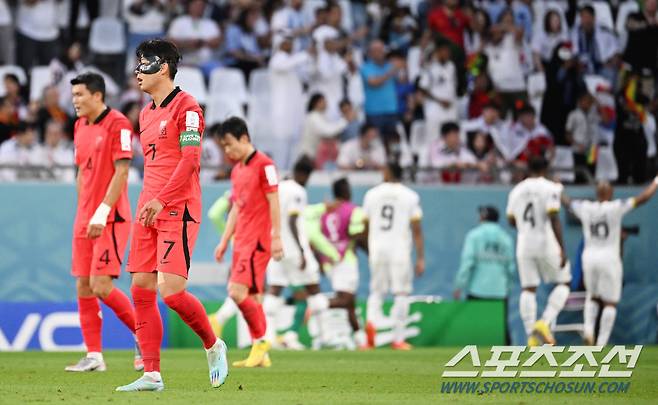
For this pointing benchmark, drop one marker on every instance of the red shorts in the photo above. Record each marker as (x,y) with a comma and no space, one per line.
(102,256)
(248,268)
(165,247)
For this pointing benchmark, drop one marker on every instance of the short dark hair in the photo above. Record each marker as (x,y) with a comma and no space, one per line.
(526,109)
(395,170)
(547,19)
(344,102)
(235,126)
(304,165)
(489,213)
(165,50)
(313,101)
(215,130)
(588,8)
(537,164)
(93,81)
(341,189)
(365,128)
(12,77)
(448,127)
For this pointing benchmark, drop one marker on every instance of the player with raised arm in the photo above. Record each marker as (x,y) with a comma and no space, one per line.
(602,262)
(254,224)
(169,215)
(102,223)
(393,217)
(533,209)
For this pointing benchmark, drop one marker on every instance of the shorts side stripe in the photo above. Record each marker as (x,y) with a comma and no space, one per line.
(116,246)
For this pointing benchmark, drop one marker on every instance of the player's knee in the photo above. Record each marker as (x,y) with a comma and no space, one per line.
(83,287)
(101,287)
(237,295)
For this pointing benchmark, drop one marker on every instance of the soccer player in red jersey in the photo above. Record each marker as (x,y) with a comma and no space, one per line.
(169,214)
(254,224)
(102,221)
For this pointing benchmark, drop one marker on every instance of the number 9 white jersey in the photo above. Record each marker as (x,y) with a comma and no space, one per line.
(390,208)
(530,203)
(602,222)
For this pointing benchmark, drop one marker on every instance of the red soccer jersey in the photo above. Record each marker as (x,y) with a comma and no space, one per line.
(251,181)
(170,135)
(97,146)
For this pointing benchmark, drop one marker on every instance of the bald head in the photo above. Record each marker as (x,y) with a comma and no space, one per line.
(604,191)
(377,51)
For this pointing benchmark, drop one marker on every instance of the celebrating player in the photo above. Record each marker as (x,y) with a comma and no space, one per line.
(254,224)
(602,264)
(533,209)
(169,214)
(392,212)
(102,222)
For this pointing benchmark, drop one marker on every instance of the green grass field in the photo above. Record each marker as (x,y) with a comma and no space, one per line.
(381,376)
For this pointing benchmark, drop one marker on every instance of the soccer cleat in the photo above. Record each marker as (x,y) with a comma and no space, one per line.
(217,363)
(533,341)
(256,356)
(215,325)
(402,346)
(87,364)
(291,341)
(542,328)
(138,362)
(371,333)
(266,363)
(143,383)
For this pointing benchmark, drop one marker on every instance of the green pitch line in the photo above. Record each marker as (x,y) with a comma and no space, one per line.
(325,377)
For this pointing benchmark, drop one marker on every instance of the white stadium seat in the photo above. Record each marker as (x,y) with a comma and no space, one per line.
(107,36)
(40,78)
(191,80)
(220,107)
(228,82)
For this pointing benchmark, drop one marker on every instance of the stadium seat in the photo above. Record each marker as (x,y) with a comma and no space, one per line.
(417,141)
(230,82)
(259,83)
(606,164)
(347,23)
(414,56)
(563,164)
(40,78)
(597,84)
(107,36)
(219,107)
(17,70)
(191,80)
(536,89)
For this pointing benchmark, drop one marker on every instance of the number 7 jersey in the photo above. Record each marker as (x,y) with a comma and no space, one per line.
(530,202)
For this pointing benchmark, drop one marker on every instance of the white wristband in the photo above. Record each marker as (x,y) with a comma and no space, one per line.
(655,180)
(100,216)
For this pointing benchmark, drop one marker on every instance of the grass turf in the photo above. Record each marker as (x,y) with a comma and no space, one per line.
(381,376)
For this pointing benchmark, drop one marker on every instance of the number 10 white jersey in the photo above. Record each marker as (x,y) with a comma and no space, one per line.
(602,222)
(390,208)
(530,202)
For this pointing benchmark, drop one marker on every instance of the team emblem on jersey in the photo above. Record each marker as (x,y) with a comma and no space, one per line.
(163,129)
(126,137)
(192,121)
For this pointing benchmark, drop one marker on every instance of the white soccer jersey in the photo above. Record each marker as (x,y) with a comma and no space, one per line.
(390,208)
(602,222)
(292,200)
(530,204)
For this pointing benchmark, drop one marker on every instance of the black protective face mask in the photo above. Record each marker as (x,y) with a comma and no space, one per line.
(152,65)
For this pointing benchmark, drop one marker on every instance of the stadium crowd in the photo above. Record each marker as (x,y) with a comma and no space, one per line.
(455,91)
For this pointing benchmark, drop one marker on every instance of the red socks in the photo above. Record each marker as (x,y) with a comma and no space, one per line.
(148,326)
(255,317)
(120,304)
(91,323)
(188,307)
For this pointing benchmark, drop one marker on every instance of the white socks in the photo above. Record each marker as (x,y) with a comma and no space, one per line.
(608,316)
(271,306)
(317,303)
(95,355)
(226,311)
(590,312)
(528,310)
(153,375)
(556,301)
(399,314)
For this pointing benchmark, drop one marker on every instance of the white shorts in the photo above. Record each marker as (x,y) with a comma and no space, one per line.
(344,276)
(534,269)
(287,272)
(603,275)
(395,276)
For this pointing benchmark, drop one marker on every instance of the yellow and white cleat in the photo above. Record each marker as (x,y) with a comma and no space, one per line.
(542,328)
(258,357)
(533,341)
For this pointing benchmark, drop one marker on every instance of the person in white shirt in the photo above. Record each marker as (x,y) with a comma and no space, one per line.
(58,153)
(393,219)
(22,153)
(327,75)
(547,38)
(533,208)
(363,153)
(36,33)
(291,18)
(438,82)
(298,266)
(602,262)
(197,37)
(450,156)
(317,127)
(146,19)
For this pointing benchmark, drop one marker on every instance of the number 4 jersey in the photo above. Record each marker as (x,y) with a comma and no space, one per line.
(602,222)
(390,208)
(530,203)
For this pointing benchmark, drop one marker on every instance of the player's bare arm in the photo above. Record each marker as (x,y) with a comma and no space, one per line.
(220,250)
(647,193)
(275,216)
(417,231)
(511,221)
(554,217)
(292,221)
(114,190)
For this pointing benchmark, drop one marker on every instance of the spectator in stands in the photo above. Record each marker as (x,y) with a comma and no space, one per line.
(400,28)
(379,84)
(328,73)
(8,119)
(93,10)
(448,20)
(68,62)
(642,47)
(488,123)
(49,110)
(539,138)
(438,82)
(197,37)
(522,17)
(450,156)
(131,110)
(294,21)
(363,153)
(481,146)
(146,19)
(544,42)
(6,34)
(597,47)
(353,127)
(58,153)
(318,128)
(14,94)
(504,61)
(329,27)
(36,33)
(242,49)
(21,153)
(581,132)
(481,95)
(476,32)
